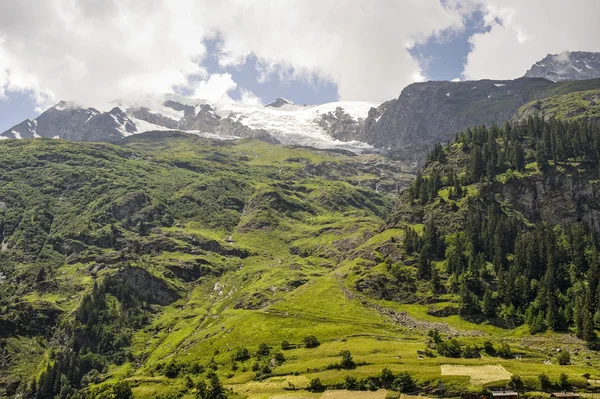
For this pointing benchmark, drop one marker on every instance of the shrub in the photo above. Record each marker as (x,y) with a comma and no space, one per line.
(263,350)
(544,381)
(350,383)
(450,348)
(311,341)
(386,377)
(504,351)
(172,369)
(489,349)
(285,345)
(563,358)
(435,336)
(471,352)
(404,383)
(241,354)
(279,358)
(195,368)
(516,381)
(315,385)
(347,361)
(563,382)
(122,390)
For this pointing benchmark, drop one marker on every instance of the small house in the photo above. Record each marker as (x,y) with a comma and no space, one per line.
(504,395)
(565,395)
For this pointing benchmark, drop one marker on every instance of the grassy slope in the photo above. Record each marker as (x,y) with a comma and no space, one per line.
(332,234)
(581,105)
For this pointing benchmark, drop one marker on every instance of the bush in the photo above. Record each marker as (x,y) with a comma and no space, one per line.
(122,390)
(311,341)
(279,358)
(563,358)
(404,383)
(471,352)
(387,378)
(563,382)
(285,345)
(347,361)
(504,351)
(315,385)
(350,383)
(172,369)
(435,336)
(544,381)
(450,348)
(263,350)
(516,381)
(489,349)
(241,354)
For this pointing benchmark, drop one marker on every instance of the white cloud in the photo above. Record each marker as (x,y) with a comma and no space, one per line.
(361,46)
(215,88)
(247,97)
(523,32)
(94,51)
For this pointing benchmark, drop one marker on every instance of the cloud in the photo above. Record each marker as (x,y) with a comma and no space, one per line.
(247,97)
(215,88)
(361,46)
(95,51)
(523,32)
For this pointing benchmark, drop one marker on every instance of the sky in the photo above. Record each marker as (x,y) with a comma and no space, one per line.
(308,51)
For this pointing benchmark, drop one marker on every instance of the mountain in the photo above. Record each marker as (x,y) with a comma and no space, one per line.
(70,122)
(174,232)
(580,105)
(405,127)
(279,122)
(171,265)
(567,66)
(279,102)
(430,112)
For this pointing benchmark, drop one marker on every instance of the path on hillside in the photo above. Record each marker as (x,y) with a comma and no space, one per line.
(406,321)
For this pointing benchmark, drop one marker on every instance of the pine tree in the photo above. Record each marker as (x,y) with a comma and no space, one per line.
(541,158)
(489,305)
(424,265)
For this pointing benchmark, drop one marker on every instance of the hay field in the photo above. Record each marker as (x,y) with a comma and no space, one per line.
(479,374)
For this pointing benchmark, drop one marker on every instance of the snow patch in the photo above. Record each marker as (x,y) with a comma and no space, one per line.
(499,84)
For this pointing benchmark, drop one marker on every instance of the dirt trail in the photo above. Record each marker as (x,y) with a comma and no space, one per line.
(406,321)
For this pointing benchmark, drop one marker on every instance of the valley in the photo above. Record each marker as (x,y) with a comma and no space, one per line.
(444,244)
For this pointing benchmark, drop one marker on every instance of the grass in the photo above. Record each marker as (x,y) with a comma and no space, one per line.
(302,255)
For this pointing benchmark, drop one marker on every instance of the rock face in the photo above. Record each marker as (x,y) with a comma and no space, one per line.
(556,198)
(279,102)
(147,286)
(570,65)
(67,121)
(430,112)
(424,113)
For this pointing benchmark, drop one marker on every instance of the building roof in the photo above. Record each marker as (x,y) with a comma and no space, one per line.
(498,394)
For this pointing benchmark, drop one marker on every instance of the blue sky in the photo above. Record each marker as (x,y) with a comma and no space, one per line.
(441,58)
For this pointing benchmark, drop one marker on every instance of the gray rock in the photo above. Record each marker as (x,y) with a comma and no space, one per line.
(570,65)
(279,102)
(67,121)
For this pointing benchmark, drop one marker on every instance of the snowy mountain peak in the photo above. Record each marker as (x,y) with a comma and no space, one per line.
(570,65)
(332,125)
(279,102)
